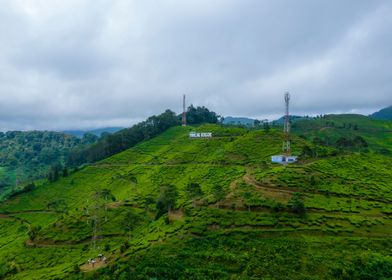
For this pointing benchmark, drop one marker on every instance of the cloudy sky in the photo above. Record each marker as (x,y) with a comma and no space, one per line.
(93,63)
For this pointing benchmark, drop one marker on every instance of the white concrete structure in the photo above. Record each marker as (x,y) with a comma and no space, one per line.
(277,159)
(200,134)
(283,159)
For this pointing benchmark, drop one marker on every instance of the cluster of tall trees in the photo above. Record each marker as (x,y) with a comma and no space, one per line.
(197,115)
(126,138)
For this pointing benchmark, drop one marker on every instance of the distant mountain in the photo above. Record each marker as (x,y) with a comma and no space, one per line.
(238,121)
(98,132)
(292,119)
(250,122)
(383,114)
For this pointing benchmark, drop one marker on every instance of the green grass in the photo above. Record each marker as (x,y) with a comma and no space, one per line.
(376,132)
(249,233)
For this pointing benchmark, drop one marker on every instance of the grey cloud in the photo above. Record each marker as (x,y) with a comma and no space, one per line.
(74,64)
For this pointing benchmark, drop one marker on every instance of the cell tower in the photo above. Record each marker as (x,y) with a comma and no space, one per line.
(286,142)
(286,157)
(183,111)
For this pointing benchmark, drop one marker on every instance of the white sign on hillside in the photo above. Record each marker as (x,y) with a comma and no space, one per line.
(200,135)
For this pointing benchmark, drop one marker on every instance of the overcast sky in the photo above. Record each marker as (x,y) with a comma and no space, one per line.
(94,63)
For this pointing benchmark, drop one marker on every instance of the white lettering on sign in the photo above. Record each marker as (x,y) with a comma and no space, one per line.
(200,134)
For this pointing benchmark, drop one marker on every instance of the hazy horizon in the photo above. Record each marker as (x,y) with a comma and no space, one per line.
(270,118)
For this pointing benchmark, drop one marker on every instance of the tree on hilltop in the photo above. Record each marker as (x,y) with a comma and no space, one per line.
(196,115)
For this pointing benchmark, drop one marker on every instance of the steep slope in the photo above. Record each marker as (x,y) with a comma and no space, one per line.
(325,218)
(383,114)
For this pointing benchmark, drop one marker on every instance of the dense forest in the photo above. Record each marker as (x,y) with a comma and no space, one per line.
(26,156)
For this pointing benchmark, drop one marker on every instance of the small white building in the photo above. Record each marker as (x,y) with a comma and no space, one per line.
(283,159)
(200,134)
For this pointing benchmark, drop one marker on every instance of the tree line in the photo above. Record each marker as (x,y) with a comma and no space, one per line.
(129,137)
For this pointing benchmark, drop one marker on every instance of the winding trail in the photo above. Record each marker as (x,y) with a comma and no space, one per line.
(249,179)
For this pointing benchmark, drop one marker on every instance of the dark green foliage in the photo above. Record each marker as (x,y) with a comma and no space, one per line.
(312,181)
(28,188)
(218,192)
(167,200)
(106,194)
(7,269)
(55,171)
(193,191)
(266,126)
(198,115)
(307,152)
(356,142)
(130,222)
(359,142)
(33,231)
(297,204)
(342,142)
(57,205)
(25,156)
(76,269)
(278,207)
(89,138)
(370,267)
(318,141)
(124,247)
(124,139)
(65,172)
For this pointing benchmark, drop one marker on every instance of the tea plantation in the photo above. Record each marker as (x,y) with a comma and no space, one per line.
(180,208)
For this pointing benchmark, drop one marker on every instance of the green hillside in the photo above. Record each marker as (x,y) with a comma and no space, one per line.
(27,155)
(233,214)
(330,128)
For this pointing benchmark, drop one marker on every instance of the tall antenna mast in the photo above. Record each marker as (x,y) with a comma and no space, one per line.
(183,111)
(286,142)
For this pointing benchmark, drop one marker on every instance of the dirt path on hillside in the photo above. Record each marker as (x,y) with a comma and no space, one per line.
(269,190)
(252,181)
(90,267)
(273,192)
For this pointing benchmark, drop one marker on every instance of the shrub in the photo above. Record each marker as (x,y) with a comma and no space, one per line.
(297,204)
(277,207)
(124,247)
